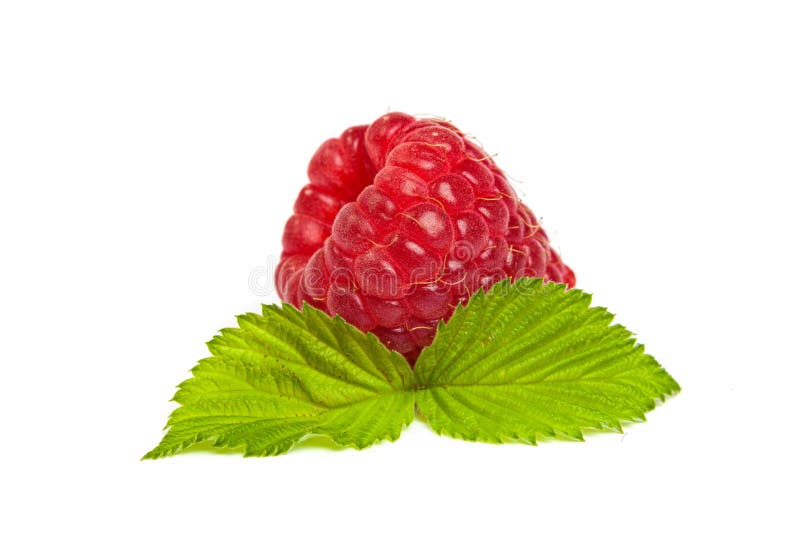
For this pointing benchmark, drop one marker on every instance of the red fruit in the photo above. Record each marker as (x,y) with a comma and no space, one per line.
(403,220)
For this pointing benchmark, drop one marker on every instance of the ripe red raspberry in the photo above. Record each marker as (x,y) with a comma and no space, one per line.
(402,220)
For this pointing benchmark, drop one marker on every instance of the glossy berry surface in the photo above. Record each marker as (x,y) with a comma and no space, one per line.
(402,220)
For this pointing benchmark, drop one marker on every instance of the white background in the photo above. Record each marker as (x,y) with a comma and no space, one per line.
(149,156)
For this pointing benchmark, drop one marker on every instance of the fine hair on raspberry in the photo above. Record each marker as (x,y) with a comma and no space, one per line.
(401,221)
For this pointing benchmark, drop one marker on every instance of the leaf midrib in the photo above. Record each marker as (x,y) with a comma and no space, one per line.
(599,379)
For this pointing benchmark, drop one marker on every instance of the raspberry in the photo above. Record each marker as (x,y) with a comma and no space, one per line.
(402,220)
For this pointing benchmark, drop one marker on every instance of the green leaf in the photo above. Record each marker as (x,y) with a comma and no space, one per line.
(528,360)
(284,375)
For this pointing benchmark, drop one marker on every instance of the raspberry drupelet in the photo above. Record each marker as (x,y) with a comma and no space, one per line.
(402,220)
